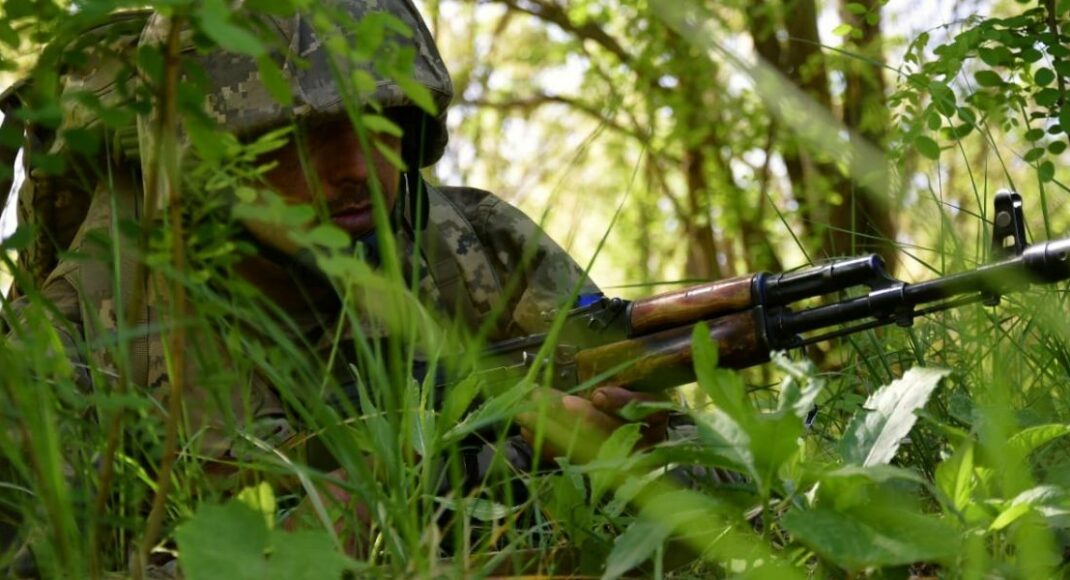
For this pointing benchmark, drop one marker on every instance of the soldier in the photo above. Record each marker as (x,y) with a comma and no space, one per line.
(481,261)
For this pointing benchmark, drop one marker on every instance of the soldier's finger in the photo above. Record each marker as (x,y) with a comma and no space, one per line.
(542,401)
(573,427)
(611,399)
(589,414)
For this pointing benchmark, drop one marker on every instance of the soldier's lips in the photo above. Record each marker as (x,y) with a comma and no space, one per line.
(355,220)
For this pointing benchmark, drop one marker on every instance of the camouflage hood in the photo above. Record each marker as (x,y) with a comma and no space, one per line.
(312,63)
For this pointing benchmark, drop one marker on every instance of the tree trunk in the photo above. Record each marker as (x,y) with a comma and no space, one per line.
(865,113)
(702,247)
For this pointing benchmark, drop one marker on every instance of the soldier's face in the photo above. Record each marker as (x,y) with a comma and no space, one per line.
(338,169)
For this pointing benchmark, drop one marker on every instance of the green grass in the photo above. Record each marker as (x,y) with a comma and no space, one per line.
(977,488)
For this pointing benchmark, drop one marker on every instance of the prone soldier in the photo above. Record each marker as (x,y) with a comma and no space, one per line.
(475,259)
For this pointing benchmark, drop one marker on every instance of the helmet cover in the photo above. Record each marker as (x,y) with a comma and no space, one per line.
(240,102)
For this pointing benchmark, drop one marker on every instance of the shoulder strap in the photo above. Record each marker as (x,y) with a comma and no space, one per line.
(459,262)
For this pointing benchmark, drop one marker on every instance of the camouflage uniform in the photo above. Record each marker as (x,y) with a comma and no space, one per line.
(476,244)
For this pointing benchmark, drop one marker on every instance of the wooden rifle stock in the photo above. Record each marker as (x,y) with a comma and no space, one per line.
(690,305)
(663,360)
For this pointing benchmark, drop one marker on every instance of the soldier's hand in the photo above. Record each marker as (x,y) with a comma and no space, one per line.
(573,425)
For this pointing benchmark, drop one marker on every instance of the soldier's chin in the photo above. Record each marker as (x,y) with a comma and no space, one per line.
(275,236)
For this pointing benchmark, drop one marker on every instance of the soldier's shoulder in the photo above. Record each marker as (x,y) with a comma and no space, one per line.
(485,211)
(470,200)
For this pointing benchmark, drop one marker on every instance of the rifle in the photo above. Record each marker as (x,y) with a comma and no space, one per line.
(646,344)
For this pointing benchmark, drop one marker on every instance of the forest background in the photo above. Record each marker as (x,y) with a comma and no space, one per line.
(727,138)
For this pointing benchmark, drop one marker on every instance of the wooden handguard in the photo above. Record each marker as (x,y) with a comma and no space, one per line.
(687,306)
(663,360)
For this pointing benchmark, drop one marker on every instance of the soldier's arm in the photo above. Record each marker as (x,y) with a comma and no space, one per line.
(549,278)
(538,276)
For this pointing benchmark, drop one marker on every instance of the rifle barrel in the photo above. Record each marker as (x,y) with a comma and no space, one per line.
(1040,263)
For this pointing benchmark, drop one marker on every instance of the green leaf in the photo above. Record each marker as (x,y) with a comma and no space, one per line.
(19,240)
(1034,134)
(954,476)
(927,147)
(874,435)
(724,387)
(635,546)
(613,451)
(987,78)
(227,541)
(567,502)
(1030,55)
(49,163)
(958,131)
(855,8)
(206,141)
(306,555)
(480,509)
(1046,171)
(842,30)
(1033,154)
(934,121)
(391,155)
(876,474)
(1037,497)
(274,81)
(682,510)
(380,124)
(364,83)
(795,397)
(326,236)
(214,19)
(1028,440)
(419,94)
(1044,76)
(1057,147)
(867,537)
(49,114)
(150,62)
(995,56)
(719,431)
(459,398)
(1009,516)
(8,35)
(1047,97)
(232,541)
(84,141)
(942,96)
(260,499)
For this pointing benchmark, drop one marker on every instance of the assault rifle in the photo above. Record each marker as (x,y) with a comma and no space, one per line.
(646,344)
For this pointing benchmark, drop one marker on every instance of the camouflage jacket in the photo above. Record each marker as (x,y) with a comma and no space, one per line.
(481,251)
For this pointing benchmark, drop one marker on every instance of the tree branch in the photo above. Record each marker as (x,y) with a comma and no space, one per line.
(528,104)
(550,11)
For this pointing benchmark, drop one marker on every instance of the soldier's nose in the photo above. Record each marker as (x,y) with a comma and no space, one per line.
(340,156)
